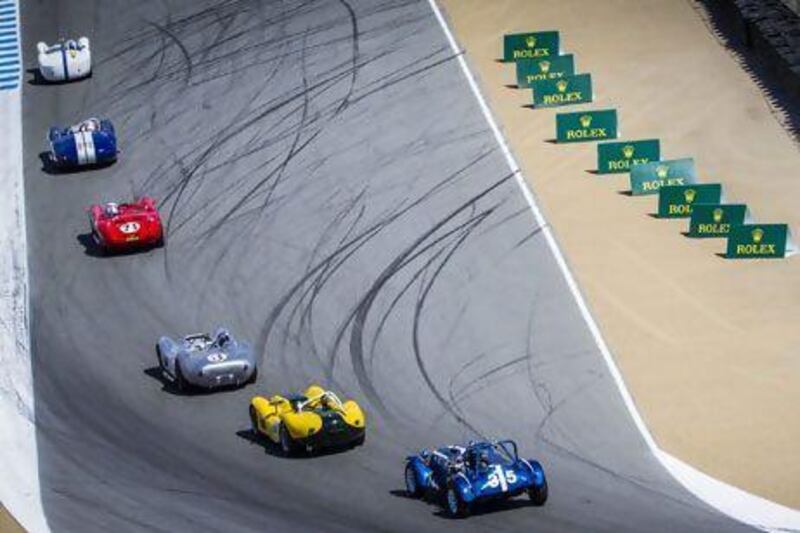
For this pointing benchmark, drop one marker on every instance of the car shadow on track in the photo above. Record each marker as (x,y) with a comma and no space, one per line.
(48,167)
(484,508)
(274,449)
(170,388)
(37,78)
(92,249)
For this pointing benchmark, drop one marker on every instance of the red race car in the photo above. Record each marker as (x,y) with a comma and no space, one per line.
(123,227)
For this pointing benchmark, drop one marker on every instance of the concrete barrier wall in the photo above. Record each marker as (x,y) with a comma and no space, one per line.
(19,482)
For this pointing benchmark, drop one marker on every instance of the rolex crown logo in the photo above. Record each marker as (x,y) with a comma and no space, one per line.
(757,234)
(717,214)
(530,41)
(689,195)
(586,121)
(628,151)
(562,86)
(662,171)
(544,66)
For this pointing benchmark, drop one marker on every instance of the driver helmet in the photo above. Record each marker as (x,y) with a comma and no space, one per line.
(326,402)
(71,45)
(223,337)
(91,124)
(112,209)
(483,459)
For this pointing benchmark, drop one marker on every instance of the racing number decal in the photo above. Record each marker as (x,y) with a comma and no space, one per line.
(129,227)
(216,357)
(501,478)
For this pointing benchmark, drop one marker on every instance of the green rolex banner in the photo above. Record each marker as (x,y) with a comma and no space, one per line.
(547,68)
(530,45)
(568,90)
(618,157)
(586,126)
(760,240)
(647,178)
(677,201)
(716,220)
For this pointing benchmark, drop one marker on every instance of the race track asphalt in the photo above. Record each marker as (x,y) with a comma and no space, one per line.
(332,193)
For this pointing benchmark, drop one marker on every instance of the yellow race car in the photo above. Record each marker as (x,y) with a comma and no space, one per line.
(309,421)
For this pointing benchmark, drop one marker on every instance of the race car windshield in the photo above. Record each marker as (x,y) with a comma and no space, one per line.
(198,342)
(327,400)
(485,455)
(499,455)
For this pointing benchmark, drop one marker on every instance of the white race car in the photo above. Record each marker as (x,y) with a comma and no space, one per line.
(65,60)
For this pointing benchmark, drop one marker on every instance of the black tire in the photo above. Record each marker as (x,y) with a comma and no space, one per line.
(253,377)
(180,381)
(360,440)
(412,487)
(538,495)
(99,248)
(454,505)
(160,242)
(254,421)
(288,446)
(158,356)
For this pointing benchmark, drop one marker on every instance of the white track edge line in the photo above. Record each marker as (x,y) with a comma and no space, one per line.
(749,509)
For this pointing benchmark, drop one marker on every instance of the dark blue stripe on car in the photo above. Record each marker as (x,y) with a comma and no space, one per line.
(64,61)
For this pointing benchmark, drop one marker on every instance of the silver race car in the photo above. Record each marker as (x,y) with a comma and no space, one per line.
(205,361)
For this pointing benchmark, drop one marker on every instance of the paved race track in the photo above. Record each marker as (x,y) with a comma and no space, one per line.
(331,191)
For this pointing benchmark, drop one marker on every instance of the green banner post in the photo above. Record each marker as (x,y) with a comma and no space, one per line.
(716,220)
(759,241)
(568,90)
(546,68)
(586,126)
(647,178)
(677,201)
(617,157)
(530,45)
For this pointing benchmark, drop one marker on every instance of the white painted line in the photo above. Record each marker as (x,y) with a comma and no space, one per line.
(748,508)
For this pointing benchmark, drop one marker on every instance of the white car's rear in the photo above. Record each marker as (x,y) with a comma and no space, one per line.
(66,60)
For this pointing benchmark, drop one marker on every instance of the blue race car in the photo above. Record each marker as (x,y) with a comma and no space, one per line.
(92,142)
(482,471)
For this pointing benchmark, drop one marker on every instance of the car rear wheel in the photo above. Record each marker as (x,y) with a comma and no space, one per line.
(538,495)
(455,506)
(412,488)
(288,447)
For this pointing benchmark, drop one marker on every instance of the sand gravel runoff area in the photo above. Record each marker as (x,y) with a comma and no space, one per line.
(7,522)
(709,347)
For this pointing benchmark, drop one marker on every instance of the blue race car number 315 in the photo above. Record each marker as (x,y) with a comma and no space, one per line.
(501,478)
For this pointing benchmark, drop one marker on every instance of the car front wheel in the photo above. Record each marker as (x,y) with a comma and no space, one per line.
(456,507)
(538,495)
(180,381)
(412,488)
(288,447)
(254,420)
